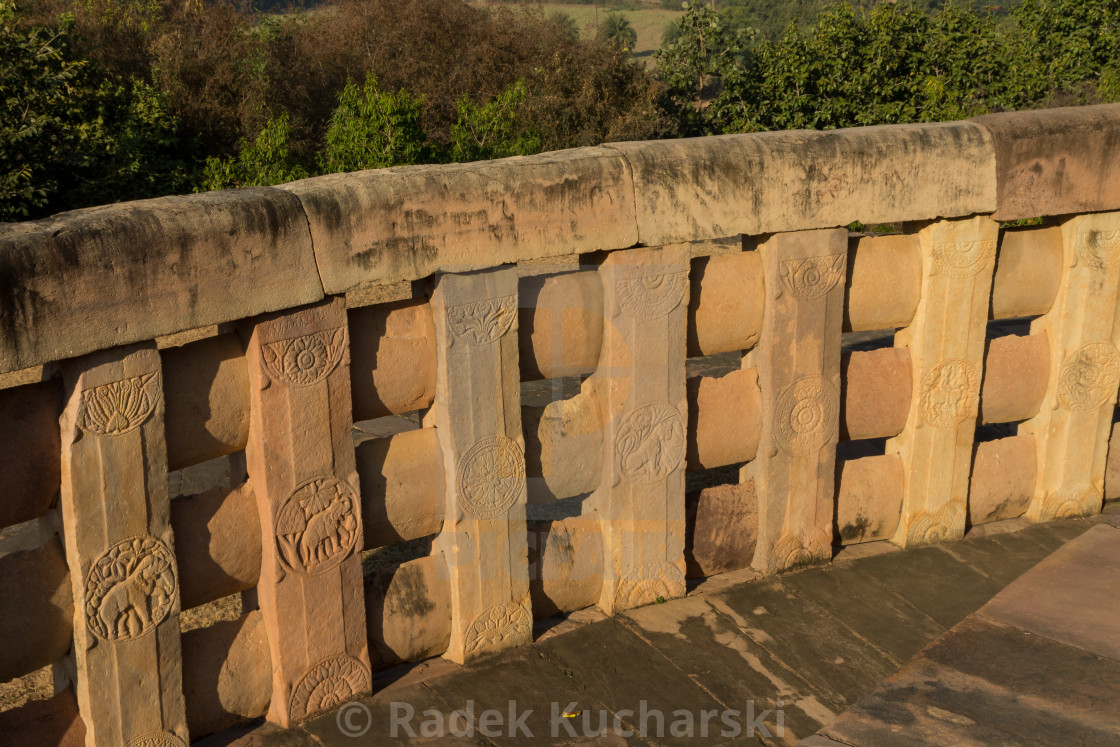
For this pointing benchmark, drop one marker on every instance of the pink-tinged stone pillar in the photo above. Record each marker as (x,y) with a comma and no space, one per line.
(798,363)
(300,459)
(946,342)
(116,522)
(477,413)
(1072,427)
(640,383)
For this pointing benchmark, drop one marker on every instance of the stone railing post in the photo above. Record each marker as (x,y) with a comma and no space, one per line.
(640,385)
(1072,427)
(946,342)
(798,364)
(477,414)
(300,460)
(117,527)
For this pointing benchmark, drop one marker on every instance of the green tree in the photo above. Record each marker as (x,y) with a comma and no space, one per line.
(617,30)
(261,162)
(493,129)
(373,128)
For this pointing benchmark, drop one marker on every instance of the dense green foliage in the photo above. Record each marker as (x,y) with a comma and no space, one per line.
(107,100)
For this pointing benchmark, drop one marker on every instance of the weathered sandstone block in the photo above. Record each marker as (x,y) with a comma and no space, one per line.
(1055,161)
(1112,470)
(712,187)
(563,448)
(402,487)
(300,460)
(724,419)
(119,548)
(477,413)
(723,529)
(1072,427)
(217,544)
(884,282)
(560,325)
(565,566)
(407,223)
(206,385)
(36,610)
(1003,475)
(392,358)
(227,674)
(876,393)
(91,279)
(725,304)
(409,611)
(798,363)
(54,721)
(869,498)
(1028,270)
(946,344)
(1016,374)
(640,502)
(29,449)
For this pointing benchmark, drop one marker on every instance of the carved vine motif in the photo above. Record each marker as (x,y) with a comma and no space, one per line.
(1099,248)
(304,360)
(812,277)
(317,526)
(644,583)
(937,525)
(1089,376)
(1069,501)
(498,627)
(963,259)
(130,589)
(805,418)
(798,549)
(651,295)
(491,477)
(327,685)
(650,443)
(122,406)
(162,739)
(483,322)
(949,393)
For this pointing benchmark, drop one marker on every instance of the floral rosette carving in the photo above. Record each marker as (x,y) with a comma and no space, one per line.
(491,477)
(797,549)
(644,583)
(1088,378)
(963,259)
(161,739)
(650,443)
(806,416)
(651,295)
(497,627)
(130,589)
(483,322)
(812,277)
(949,394)
(1069,501)
(304,360)
(327,685)
(937,525)
(1099,249)
(317,526)
(119,407)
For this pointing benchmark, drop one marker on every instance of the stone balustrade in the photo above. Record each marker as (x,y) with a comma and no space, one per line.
(737,380)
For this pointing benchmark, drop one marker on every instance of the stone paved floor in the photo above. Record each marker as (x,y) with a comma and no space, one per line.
(778,659)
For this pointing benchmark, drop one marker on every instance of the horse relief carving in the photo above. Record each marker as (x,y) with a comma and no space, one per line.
(1088,378)
(963,259)
(650,443)
(483,322)
(327,685)
(317,527)
(949,394)
(651,295)
(119,407)
(130,589)
(304,360)
(491,477)
(812,277)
